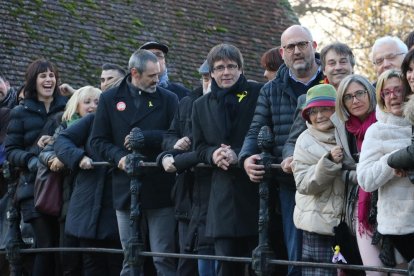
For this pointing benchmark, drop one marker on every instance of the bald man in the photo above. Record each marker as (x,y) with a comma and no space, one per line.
(277,104)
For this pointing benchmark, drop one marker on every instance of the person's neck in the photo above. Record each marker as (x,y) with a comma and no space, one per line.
(305,76)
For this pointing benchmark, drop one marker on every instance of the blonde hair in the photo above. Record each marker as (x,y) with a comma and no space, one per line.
(340,108)
(386,75)
(77,97)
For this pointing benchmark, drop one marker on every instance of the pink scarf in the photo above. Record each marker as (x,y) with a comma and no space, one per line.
(358,128)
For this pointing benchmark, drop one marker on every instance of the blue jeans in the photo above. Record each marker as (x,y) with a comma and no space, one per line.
(292,235)
(161,232)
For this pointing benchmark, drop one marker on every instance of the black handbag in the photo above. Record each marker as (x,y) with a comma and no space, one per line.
(345,246)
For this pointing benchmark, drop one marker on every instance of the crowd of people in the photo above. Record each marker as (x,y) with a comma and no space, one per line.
(343,142)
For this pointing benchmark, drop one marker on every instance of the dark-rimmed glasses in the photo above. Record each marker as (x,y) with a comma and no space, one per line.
(359,95)
(221,68)
(396,91)
(302,45)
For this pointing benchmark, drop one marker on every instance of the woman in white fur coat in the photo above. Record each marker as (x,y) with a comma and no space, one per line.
(391,132)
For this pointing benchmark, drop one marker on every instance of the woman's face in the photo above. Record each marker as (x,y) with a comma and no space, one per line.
(320,117)
(356,100)
(393,96)
(45,85)
(269,75)
(87,105)
(410,75)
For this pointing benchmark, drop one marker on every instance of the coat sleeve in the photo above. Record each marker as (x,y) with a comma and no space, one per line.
(372,169)
(402,159)
(299,125)
(102,135)
(69,145)
(48,152)
(14,142)
(173,133)
(262,116)
(313,178)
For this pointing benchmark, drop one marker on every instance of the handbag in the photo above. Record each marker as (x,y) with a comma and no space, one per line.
(344,245)
(48,191)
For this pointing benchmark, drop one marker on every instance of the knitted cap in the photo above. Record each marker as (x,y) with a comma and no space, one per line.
(319,95)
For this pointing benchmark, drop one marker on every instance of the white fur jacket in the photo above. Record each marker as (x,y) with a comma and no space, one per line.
(396,194)
(320,189)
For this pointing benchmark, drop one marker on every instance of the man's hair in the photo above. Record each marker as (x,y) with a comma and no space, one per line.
(224,52)
(389,39)
(339,48)
(271,59)
(409,40)
(140,58)
(112,66)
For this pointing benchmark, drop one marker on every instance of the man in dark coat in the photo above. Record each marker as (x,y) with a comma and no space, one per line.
(139,102)
(220,121)
(276,107)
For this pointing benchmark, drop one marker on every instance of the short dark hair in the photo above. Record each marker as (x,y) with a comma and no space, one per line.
(224,52)
(271,60)
(112,66)
(35,68)
(405,66)
(409,40)
(340,49)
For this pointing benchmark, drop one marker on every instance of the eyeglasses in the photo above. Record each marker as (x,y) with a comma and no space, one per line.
(380,61)
(221,68)
(313,111)
(396,91)
(302,45)
(359,95)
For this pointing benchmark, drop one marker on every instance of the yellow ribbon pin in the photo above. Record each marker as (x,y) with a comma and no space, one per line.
(241,95)
(150,104)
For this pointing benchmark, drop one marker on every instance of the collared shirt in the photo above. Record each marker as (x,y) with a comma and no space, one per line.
(293,77)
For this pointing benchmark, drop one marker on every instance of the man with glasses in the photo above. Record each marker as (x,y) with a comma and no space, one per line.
(388,52)
(220,120)
(161,51)
(276,105)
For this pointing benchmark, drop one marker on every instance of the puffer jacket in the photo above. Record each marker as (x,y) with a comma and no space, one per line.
(320,189)
(395,194)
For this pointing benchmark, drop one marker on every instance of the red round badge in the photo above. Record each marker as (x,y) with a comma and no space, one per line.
(121,106)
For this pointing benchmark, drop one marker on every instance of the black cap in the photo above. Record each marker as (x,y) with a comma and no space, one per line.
(155,45)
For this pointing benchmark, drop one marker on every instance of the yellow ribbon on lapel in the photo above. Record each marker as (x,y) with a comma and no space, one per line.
(241,95)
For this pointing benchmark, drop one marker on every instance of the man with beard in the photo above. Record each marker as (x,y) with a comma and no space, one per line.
(139,102)
(276,105)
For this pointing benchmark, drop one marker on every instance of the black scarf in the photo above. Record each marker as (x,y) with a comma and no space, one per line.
(228,101)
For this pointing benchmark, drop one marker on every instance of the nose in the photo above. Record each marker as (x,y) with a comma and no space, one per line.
(387,64)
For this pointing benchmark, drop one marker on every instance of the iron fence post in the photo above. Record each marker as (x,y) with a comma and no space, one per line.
(133,160)
(263,253)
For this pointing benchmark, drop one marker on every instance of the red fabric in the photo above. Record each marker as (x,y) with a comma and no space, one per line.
(358,128)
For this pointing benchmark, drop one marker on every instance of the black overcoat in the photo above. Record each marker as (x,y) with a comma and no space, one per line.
(115,117)
(233,205)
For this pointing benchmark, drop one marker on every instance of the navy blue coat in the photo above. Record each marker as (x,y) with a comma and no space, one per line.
(113,123)
(90,214)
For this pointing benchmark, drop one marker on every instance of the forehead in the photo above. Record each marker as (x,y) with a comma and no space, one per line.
(294,35)
(156,51)
(332,54)
(394,81)
(152,68)
(385,49)
(354,86)
(109,73)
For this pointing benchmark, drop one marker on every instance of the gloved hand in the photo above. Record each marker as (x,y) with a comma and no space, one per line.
(32,164)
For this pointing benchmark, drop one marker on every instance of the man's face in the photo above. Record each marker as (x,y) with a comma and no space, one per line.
(4,88)
(148,80)
(161,59)
(387,56)
(337,67)
(226,73)
(108,77)
(206,82)
(298,51)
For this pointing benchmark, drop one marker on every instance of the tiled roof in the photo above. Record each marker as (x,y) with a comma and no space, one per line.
(79,36)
